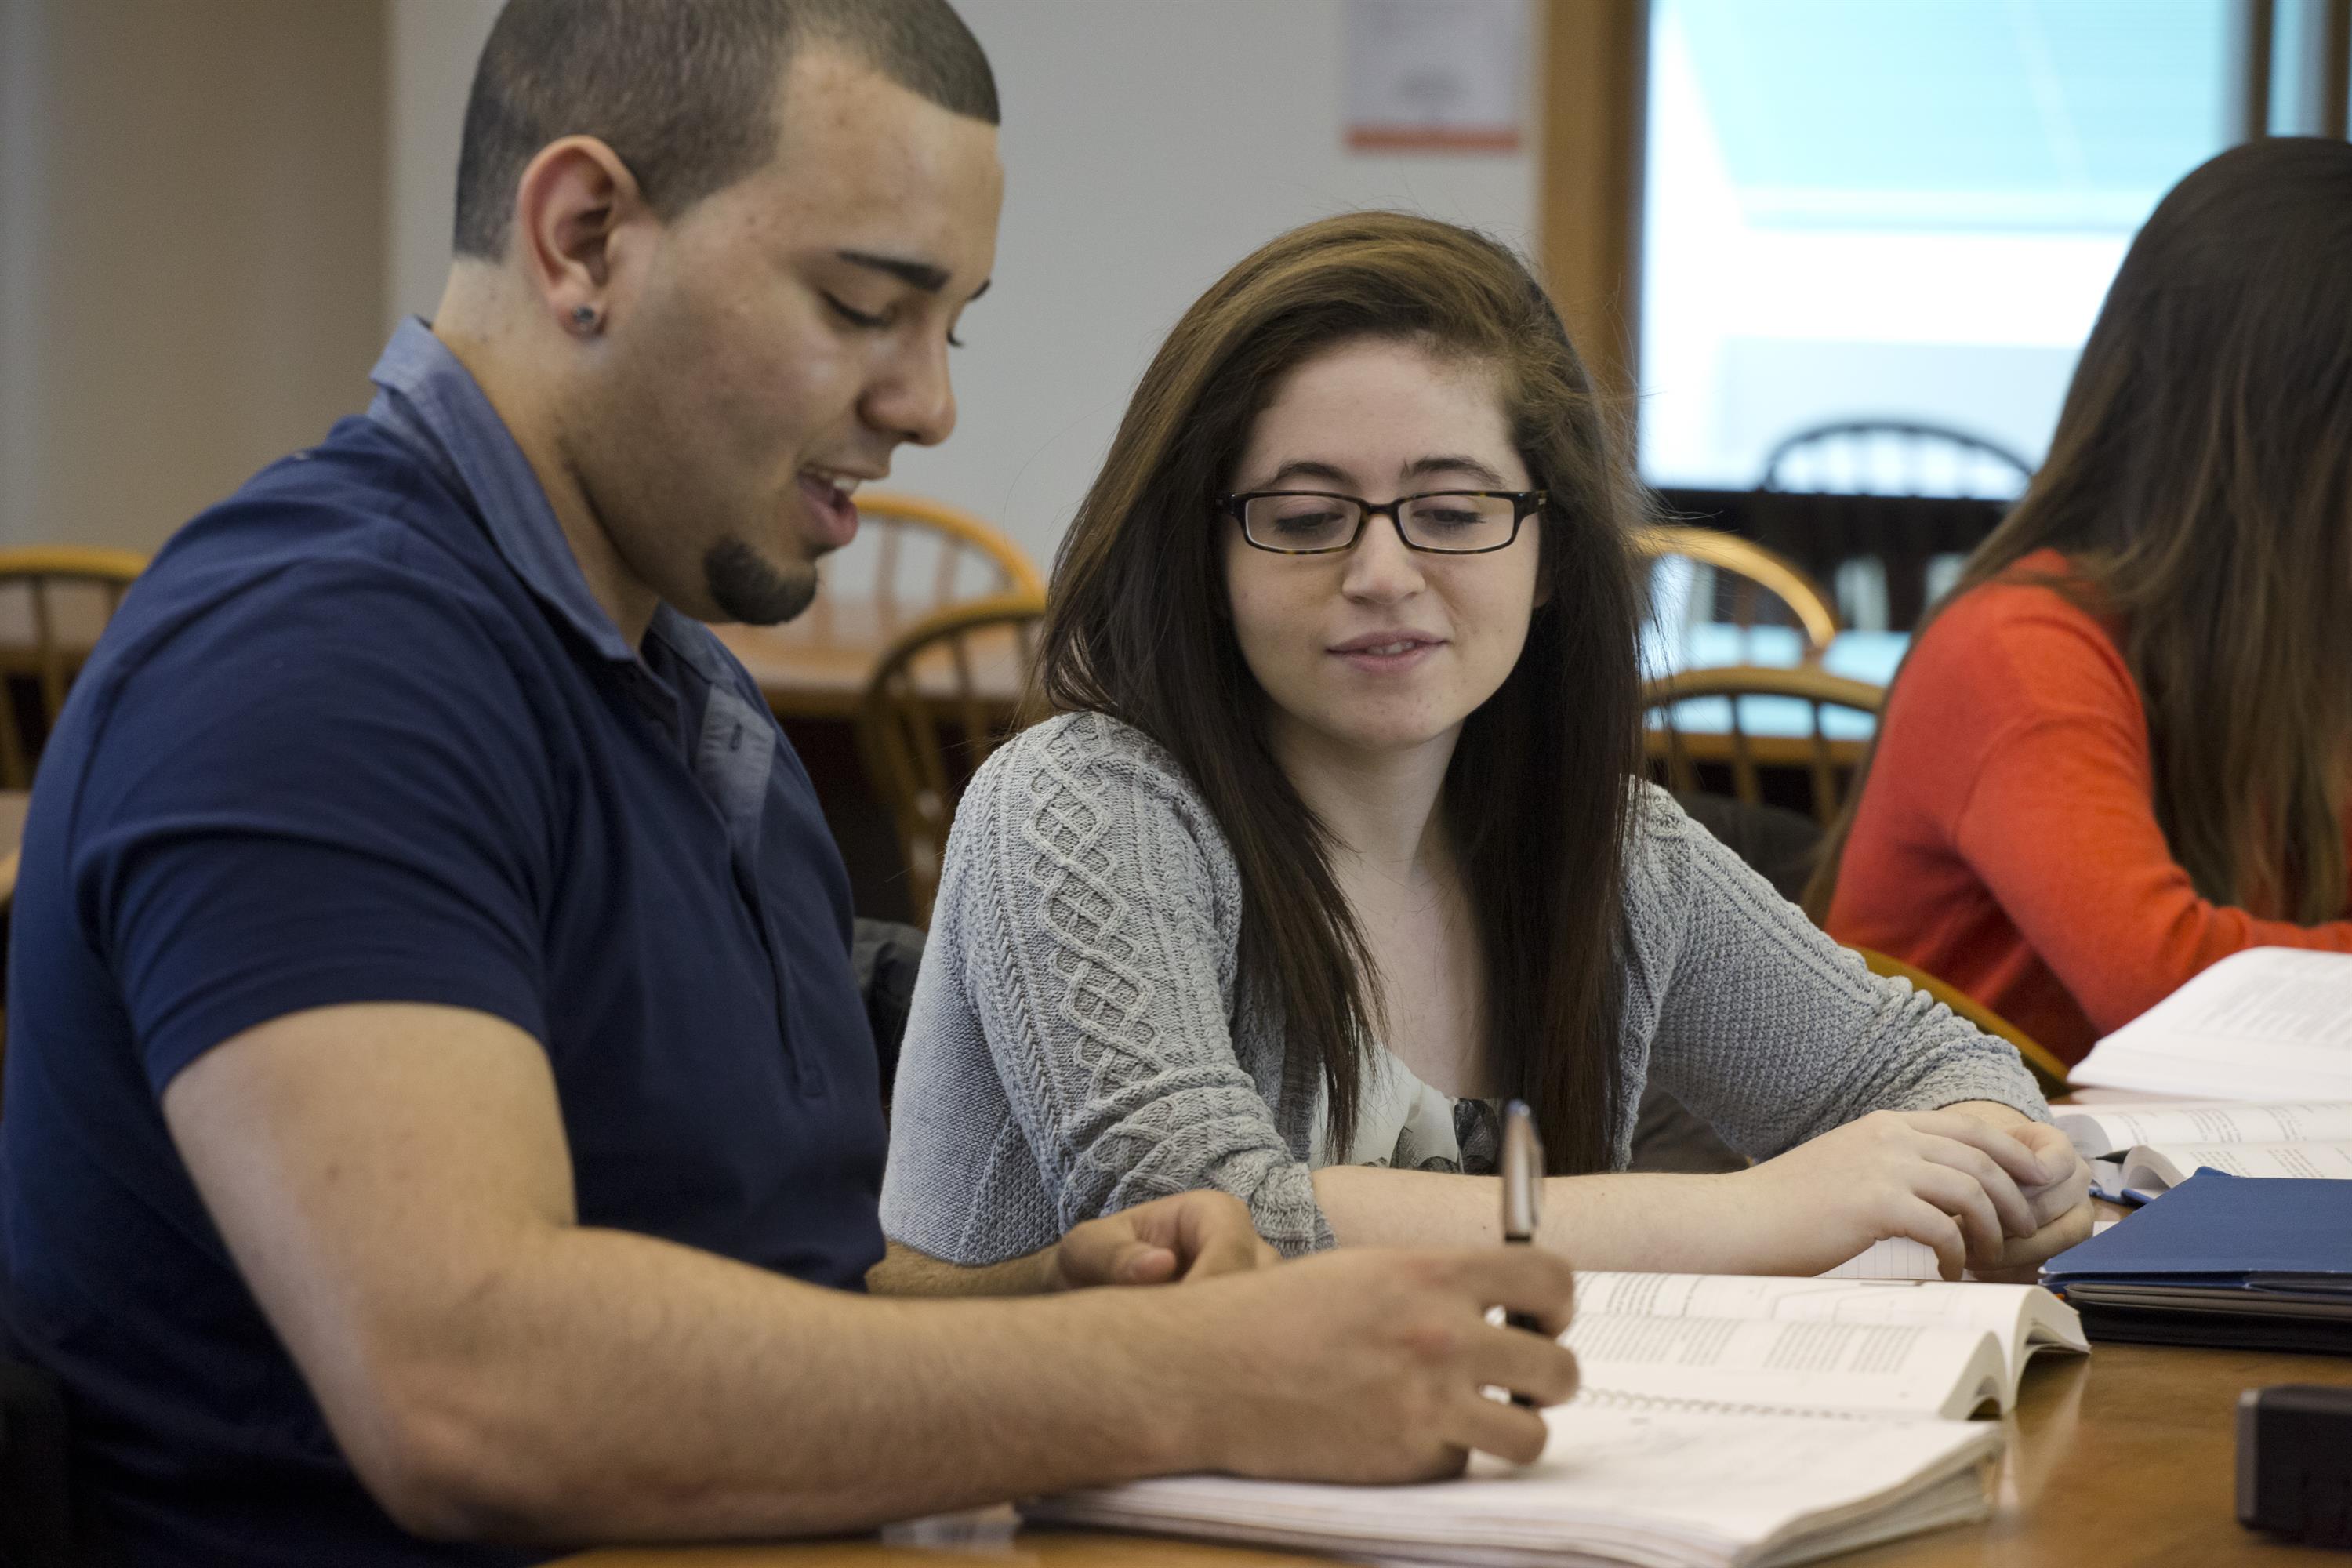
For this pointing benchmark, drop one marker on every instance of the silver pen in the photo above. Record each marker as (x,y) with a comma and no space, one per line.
(1523,1169)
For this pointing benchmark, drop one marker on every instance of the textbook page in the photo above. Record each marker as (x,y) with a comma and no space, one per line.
(1907,1369)
(2115,1129)
(1676,1487)
(2021,1319)
(2269,1024)
(2170,1165)
(1900,1257)
(1896,1258)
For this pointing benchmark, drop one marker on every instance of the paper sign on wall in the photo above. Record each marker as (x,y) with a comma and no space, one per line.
(1436,75)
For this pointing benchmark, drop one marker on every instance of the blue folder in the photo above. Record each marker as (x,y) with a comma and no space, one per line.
(2219,1259)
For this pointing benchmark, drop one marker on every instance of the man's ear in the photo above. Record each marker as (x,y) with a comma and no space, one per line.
(573,201)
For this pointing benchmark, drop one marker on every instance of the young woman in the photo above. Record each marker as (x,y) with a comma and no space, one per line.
(2124,749)
(1337,839)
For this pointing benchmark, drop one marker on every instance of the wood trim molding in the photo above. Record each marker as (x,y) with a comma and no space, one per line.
(2253,27)
(1595,56)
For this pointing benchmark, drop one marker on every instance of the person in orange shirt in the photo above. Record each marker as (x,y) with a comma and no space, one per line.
(2123,749)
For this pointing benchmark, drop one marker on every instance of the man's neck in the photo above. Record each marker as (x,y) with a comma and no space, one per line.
(502,367)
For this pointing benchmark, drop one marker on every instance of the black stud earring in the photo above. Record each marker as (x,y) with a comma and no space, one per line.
(583,319)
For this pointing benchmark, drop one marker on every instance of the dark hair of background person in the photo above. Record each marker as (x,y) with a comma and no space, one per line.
(1138,627)
(684,91)
(2199,481)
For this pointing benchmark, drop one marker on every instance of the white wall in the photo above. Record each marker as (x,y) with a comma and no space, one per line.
(430,48)
(1148,144)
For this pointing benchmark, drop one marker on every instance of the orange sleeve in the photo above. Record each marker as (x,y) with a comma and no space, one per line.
(2059,823)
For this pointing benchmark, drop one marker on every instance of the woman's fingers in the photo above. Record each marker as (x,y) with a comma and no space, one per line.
(1930,1226)
(2022,1164)
(2066,1180)
(2068,1229)
(2015,1210)
(1960,1195)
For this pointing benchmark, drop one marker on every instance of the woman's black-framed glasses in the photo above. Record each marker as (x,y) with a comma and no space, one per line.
(1444,522)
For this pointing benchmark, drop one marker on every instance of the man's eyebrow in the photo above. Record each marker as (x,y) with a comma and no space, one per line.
(920,275)
(1455,463)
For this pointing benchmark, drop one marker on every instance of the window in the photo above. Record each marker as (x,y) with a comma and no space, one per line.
(1902,209)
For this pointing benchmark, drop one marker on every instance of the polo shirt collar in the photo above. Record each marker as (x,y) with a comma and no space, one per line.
(429,397)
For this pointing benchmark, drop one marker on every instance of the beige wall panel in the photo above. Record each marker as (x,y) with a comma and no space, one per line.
(193,232)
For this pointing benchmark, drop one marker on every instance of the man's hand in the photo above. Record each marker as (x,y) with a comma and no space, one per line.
(1371,1365)
(1192,1235)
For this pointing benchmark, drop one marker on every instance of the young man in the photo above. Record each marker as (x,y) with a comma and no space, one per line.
(438,1101)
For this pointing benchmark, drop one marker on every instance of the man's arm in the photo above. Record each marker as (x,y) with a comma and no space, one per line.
(394,1183)
(904,1271)
(1189,1236)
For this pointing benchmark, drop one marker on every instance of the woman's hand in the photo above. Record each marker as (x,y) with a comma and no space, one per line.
(2060,1202)
(1944,1178)
(1191,1236)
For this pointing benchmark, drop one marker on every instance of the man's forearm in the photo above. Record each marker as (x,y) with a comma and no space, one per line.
(904,1271)
(608,1386)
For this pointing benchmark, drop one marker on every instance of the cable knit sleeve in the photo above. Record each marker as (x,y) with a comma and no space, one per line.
(1766,1027)
(1092,914)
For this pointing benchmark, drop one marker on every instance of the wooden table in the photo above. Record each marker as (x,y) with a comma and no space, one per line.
(2124,1459)
(815,666)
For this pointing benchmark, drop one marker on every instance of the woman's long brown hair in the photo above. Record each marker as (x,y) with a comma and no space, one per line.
(1536,794)
(2199,482)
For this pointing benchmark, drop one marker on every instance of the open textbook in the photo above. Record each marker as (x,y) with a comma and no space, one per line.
(1723,1419)
(1907,1346)
(1664,1487)
(2269,1024)
(2155,1146)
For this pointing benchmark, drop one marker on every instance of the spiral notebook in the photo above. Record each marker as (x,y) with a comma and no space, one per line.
(1724,1420)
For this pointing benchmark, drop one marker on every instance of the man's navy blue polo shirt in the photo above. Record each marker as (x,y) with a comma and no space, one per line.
(361,734)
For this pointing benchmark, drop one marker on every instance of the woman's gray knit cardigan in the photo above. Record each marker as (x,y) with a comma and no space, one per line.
(1078,1043)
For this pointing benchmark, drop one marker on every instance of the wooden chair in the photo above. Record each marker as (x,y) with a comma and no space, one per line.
(1882,496)
(913,555)
(1755,570)
(54,601)
(941,699)
(2048,1072)
(1799,740)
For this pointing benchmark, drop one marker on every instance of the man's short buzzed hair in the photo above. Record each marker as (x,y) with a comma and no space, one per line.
(684,91)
